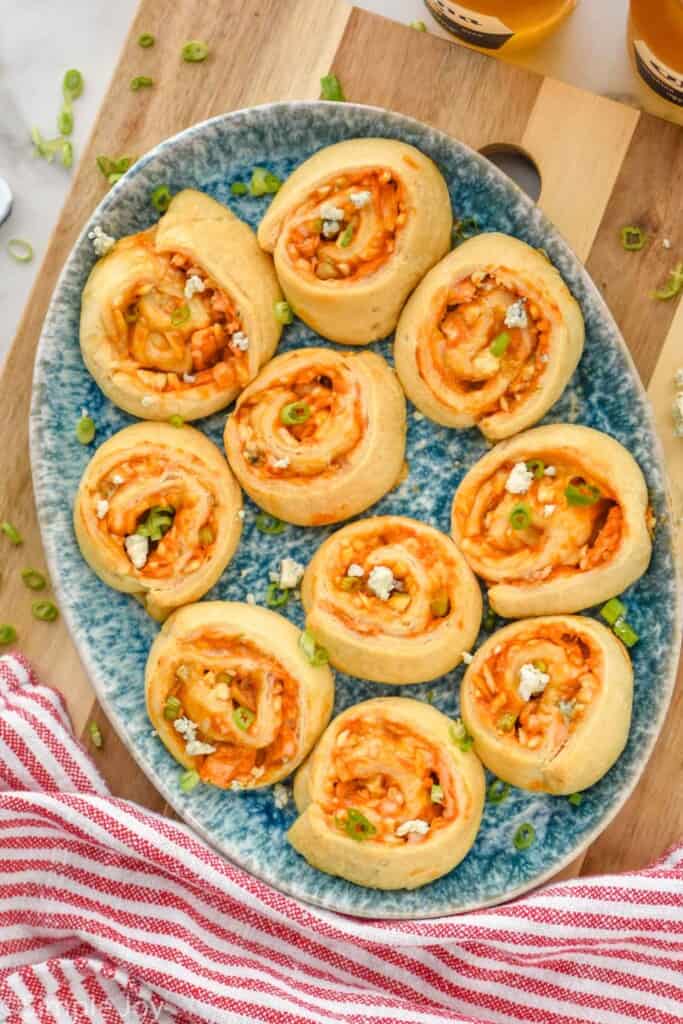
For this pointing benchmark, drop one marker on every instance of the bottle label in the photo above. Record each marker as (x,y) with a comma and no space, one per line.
(659,76)
(478,29)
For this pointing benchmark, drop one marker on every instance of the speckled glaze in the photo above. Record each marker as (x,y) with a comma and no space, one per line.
(113,633)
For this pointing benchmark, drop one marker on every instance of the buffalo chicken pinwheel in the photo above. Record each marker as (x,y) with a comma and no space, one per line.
(319,435)
(353,230)
(548,703)
(156,514)
(554,520)
(232,695)
(392,600)
(489,338)
(177,319)
(388,799)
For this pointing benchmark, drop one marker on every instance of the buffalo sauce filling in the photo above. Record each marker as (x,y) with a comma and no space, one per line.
(305,425)
(382,779)
(348,228)
(168,502)
(565,522)
(180,332)
(467,355)
(423,588)
(242,702)
(572,665)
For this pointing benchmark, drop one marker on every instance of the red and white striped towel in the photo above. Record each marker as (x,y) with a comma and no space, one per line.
(111,914)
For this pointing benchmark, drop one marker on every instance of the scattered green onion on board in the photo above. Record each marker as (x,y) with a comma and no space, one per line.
(295,413)
(525,836)
(356,825)
(141,82)
(498,791)
(633,238)
(45,611)
(194,52)
(575,799)
(20,250)
(238,188)
(419,26)
(459,735)
(188,781)
(283,313)
(72,84)
(578,492)
(243,717)
(673,285)
(8,634)
(65,121)
(331,89)
(67,154)
(313,653)
(33,579)
(11,532)
(276,597)
(48,149)
(499,344)
(146,40)
(172,708)
(263,182)
(520,517)
(114,168)
(161,198)
(269,524)
(96,735)
(85,430)
(176,420)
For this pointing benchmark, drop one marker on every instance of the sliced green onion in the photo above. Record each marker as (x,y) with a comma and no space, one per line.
(633,238)
(156,522)
(11,532)
(33,579)
(243,717)
(506,722)
(346,236)
(537,467)
(350,583)
(188,781)
(46,611)
(520,517)
(114,168)
(172,708)
(180,315)
(276,597)
(500,344)
(113,178)
(85,430)
(20,250)
(497,791)
(8,634)
(238,188)
(161,198)
(437,794)
(283,313)
(578,492)
(440,604)
(419,26)
(575,799)
(356,825)
(176,420)
(295,413)
(47,148)
(613,611)
(194,52)
(331,89)
(524,836)
(67,154)
(430,696)
(673,285)
(72,84)
(541,665)
(489,620)
(146,40)
(269,524)
(625,632)
(263,182)
(459,735)
(65,121)
(206,536)
(96,735)
(313,653)
(141,82)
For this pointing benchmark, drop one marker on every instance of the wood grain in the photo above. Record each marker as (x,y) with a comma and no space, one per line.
(602,165)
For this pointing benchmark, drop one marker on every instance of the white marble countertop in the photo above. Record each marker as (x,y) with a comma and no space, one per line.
(589,50)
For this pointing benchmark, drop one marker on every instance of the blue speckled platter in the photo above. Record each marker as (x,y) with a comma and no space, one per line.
(113,633)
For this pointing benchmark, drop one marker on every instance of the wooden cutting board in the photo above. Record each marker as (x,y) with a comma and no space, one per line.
(602,165)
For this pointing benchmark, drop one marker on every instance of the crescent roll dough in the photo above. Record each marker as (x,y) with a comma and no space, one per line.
(392,600)
(156,514)
(353,230)
(178,318)
(319,435)
(548,702)
(554,520)
(386,799)
(489,338)
(232,696)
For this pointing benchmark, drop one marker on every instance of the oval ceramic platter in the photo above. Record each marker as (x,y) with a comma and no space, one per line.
(112,632)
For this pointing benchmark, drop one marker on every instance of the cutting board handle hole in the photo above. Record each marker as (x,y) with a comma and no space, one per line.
(517,164)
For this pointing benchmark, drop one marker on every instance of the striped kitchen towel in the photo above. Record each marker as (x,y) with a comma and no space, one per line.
(113,915)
